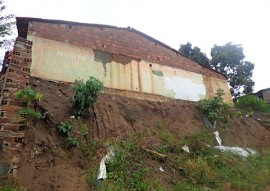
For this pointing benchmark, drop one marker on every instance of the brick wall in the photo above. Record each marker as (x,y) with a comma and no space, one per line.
(121,41)
(12,125)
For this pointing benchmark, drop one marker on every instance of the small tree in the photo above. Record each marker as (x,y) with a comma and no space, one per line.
(212,108)
(85,95)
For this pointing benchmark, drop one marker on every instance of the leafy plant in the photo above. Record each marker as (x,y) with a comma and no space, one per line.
(28,96)
(239,114)
(212,108)
(64,128)
(252,103)
(73,141)
(85,95)
(83,129)
(30,113)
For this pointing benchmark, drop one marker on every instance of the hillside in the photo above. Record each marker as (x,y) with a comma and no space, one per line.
(141,131)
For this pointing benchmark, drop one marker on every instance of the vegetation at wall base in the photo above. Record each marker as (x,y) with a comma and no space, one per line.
(215,109)
(85,95)
(29,96)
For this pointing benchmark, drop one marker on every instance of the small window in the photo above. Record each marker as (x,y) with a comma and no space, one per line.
(15,61)
(11,70)
(21,128)
(2,113)
(18,139)
(9,80)
(27,60)
(22,115)
(6,91)
(4,102)
(17,53)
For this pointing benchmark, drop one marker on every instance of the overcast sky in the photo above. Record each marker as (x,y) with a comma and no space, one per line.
(203,23)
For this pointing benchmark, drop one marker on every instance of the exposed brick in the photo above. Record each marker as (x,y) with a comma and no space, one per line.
(123,41)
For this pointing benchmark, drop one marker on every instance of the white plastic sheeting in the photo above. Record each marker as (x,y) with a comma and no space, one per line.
(102,173)
(186,148)
(237,150)
(217,138)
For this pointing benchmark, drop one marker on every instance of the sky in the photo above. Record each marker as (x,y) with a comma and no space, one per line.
(203,23)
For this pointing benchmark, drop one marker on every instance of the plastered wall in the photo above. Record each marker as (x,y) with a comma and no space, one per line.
(65,62)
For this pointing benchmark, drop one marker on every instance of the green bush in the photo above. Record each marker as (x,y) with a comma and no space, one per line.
(215,107)
(72,141)
(85,95)
(64,128)
(252,103)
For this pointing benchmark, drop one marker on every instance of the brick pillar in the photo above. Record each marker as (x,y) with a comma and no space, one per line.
(12,125)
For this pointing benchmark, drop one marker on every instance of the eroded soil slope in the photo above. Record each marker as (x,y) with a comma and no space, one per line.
(48,165)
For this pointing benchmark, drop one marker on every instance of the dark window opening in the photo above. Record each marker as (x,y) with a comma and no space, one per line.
(4,102)
(18,139)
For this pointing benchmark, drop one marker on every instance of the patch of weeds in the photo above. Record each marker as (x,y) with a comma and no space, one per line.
(12,189)
(82,127)
(89,149)
(202,136)
(239,114)
(213,170)
(252,103)
(72,141)
(64,128)
(126,171)
(163,133)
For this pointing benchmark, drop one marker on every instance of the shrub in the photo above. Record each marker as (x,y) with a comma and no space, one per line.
(72,141)
(213,108)
(64,128)
(252,103)
(85,95)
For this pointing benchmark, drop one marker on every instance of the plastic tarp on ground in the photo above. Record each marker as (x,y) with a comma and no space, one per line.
(237,150)
(102,173)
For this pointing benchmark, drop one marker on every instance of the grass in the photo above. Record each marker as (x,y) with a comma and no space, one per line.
(203,169)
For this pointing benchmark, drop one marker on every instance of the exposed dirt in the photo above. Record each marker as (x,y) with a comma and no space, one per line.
(48,165)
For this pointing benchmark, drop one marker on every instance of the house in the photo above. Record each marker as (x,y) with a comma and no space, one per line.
(264,94)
